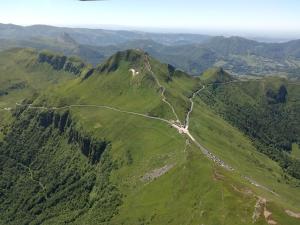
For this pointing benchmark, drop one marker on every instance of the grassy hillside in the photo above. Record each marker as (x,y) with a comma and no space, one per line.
(98,150)
(267,110)
(24,73)
(63,44)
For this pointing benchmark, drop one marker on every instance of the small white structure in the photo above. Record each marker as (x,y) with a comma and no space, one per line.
(134,73)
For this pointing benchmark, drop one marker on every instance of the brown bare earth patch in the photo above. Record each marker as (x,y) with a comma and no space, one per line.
(217,176)
(244,191)
(260,209)
(292,214)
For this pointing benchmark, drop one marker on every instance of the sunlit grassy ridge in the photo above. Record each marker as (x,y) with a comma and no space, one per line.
(118,190)
(23,76)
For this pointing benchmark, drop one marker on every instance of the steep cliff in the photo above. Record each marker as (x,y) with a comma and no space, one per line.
(49,166)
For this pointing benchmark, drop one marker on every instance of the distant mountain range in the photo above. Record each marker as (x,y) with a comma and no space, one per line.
(192,53)
(97,37)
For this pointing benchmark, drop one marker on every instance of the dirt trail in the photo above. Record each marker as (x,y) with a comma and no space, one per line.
(182,129)
(94,106)
(163,89)
(253,182)
(187,119)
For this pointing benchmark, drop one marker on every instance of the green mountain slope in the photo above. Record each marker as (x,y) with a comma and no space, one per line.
(63,44)
(238,55)
(267,110)
(104,148)
(25,73)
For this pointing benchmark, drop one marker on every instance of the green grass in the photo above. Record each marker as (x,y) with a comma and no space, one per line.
(191,191)
(190,188)
(194,191)
(296,151)
(22,77)
(236,149)
(224,140)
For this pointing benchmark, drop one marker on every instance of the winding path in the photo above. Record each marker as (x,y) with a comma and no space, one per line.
(95,106)
(187,119)
(163,89)
(182,129)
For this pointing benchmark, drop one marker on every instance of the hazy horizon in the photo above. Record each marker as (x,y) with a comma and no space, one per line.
(269,18)
(259,36)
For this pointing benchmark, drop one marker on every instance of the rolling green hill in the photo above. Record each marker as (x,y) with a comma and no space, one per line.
(63,44)
(238,55)
(192,53)
(103,146)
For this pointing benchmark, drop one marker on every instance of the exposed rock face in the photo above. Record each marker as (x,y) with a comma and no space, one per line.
(88,74)
(277,97)
(171,71)
(61,63)
(49,122)
(50,167)
(90,147)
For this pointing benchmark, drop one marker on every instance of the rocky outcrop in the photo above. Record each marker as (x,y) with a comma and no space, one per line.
(88,74)
(64,63)
(280,96)
(49,166)
(171,72)
(3,93)
(90,147)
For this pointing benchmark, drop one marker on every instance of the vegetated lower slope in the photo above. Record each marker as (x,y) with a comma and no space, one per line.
(93,151)
(50,169)
(267,110)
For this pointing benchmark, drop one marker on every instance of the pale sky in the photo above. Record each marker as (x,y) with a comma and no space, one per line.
(281,16)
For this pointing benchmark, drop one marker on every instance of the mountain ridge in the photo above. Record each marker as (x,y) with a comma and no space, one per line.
(191,53)
(149,171)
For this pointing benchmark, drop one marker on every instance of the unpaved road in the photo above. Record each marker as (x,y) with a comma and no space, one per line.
(182,129)
(94,106)
(187,120)
(163,89)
